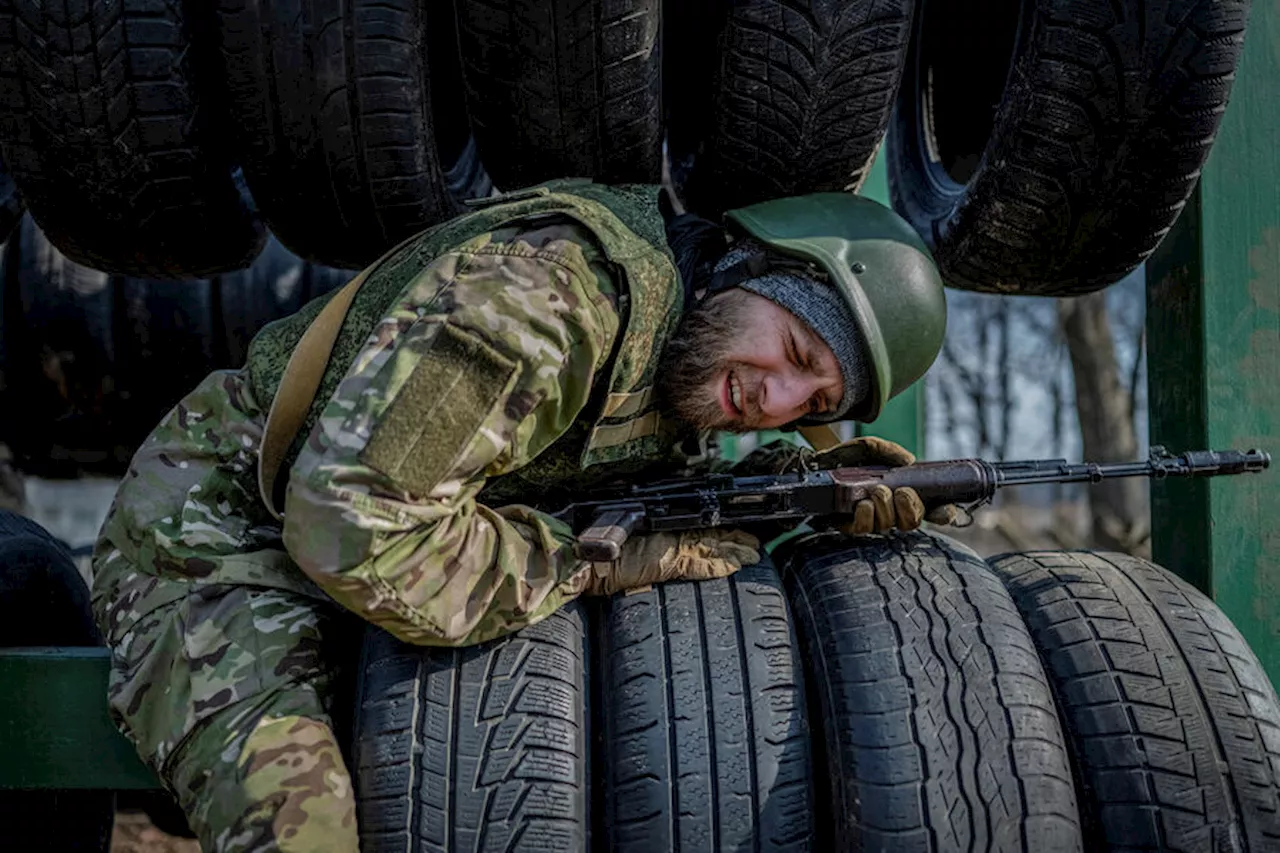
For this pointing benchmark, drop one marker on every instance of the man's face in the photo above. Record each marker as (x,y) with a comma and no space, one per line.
(740,362)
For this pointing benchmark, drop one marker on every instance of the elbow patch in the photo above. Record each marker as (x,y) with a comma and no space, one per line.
(455,385)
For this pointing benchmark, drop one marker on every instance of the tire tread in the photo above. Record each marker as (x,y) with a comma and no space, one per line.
(332,103)
(1174,725)
(108,131)
(564,88)
(940,729)
(801,98)
(483,748)
(1098,144)
(705,732)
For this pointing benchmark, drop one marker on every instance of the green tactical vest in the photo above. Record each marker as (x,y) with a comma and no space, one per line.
(620,432)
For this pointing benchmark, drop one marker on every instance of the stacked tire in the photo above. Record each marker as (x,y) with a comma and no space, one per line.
(935,721)
(1172,724)
(892,693)
(669,719)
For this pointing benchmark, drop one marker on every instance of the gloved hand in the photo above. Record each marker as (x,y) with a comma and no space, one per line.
(885,508)
(658,557)
(867,450)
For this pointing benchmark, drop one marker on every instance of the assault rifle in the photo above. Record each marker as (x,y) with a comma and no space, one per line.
(606,519)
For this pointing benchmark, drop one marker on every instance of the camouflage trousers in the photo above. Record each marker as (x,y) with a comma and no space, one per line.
(226,693)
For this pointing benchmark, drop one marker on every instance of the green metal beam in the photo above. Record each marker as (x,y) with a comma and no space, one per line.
(1214,338)
(54,729)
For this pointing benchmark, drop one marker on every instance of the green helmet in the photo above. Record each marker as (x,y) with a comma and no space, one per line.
(881,267)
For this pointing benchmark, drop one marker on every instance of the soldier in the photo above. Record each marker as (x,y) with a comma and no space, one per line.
(482,372)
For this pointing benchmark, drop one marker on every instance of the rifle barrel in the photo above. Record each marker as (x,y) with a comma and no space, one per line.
(1199,463)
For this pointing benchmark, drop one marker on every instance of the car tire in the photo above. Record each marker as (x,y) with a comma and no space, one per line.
(113,137)
(1046,147)
(1174,727)
(58,413)
(704,731)
(933,713)
(479,748)
(331,101)
(564,88)
(798,99)
(91,362)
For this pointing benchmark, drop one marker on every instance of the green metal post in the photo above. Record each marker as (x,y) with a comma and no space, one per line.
(1214,349)
(54,729)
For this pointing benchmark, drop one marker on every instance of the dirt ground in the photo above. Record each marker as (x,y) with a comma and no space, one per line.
(133,833)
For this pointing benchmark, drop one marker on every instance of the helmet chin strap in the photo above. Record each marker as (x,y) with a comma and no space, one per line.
(755,265)
(752,266)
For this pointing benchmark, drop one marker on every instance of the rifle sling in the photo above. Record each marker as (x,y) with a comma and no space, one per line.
(820,436)
(298,386)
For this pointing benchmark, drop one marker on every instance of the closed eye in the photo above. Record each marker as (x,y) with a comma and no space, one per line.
(793,352)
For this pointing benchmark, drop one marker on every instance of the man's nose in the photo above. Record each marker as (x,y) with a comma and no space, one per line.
(785,397)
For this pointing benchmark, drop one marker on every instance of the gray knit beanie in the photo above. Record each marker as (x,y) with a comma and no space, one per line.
(824,310)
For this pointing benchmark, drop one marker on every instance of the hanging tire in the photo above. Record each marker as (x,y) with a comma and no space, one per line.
(1173,724)
(480,748)
(278,284)
(59,410)
(929,702)
(704,730)
(91,362)
(331,101)
(564,88)
(112,138)
(1046,147)
(799,99)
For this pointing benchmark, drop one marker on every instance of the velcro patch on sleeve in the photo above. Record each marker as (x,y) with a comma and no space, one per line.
(439,409)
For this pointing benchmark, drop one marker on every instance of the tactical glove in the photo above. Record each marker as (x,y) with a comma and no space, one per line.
(658,557)
(886,508)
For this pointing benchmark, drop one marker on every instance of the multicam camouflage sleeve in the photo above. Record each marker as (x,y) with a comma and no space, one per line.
(188,512)
(487,358)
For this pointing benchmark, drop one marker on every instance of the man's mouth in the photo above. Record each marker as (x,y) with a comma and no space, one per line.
(731,396)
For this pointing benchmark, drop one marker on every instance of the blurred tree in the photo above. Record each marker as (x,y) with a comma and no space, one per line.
(1105,410)
(1023,377)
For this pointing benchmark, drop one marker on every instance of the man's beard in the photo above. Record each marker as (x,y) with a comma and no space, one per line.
(695,360)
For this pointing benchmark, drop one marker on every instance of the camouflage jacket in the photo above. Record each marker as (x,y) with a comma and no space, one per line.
(487,369)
